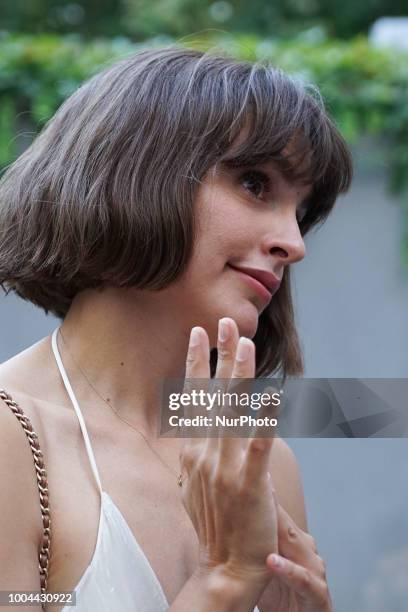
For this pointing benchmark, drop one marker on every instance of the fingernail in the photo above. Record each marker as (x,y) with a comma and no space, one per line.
(223,330)
(277,560)
(195,336)
(244,345)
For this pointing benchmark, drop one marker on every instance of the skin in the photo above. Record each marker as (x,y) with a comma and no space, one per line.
(299,566)
(231,499)
(127,341)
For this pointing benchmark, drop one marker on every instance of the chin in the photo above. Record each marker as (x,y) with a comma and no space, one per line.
(246,318)
(248,328)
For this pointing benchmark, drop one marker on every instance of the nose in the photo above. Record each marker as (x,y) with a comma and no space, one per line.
(285,242)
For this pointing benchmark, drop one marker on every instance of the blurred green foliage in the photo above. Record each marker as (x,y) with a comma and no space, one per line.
(365,89)
(140,19)
(283,18)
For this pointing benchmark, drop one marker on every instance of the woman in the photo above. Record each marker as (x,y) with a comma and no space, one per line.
(145,210)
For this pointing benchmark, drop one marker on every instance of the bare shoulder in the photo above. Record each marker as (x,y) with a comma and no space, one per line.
(22,370)
(21,524)
(27,377)
(17,469)
(288,482)
(23,379)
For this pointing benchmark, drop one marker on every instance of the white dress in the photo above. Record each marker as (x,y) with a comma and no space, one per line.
(119,576)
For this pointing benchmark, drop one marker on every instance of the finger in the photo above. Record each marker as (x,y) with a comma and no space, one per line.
(256,463)
(243,372)
(296,544)
(197,373)
(198,357)
(228,337)
(231,448)
(227,341)
(257,458)
(259,446)
(269,410)
(244,363)
(311,588)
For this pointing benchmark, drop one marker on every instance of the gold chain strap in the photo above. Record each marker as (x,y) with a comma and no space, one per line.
(44,554)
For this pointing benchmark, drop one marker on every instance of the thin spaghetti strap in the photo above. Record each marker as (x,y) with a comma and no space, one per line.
(77,409)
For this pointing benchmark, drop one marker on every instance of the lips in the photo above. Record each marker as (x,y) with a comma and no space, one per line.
(261,282)
(266,278)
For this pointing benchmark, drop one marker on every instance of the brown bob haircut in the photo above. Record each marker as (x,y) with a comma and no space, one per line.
(105,194)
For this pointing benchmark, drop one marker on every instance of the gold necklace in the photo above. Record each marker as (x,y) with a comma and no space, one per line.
(180,479)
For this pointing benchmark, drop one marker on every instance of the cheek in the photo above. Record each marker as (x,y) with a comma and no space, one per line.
(227,236)
(226,225)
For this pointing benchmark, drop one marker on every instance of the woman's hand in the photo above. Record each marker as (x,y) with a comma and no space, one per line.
(228,493)
(299,566)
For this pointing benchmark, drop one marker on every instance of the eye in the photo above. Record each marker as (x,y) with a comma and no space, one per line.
(256,182)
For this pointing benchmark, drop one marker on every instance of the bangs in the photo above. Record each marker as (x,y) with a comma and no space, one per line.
(283,123)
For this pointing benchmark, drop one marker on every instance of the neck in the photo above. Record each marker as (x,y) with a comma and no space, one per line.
(122,346)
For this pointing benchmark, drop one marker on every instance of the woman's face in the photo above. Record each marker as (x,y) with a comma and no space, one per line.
(247,219)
